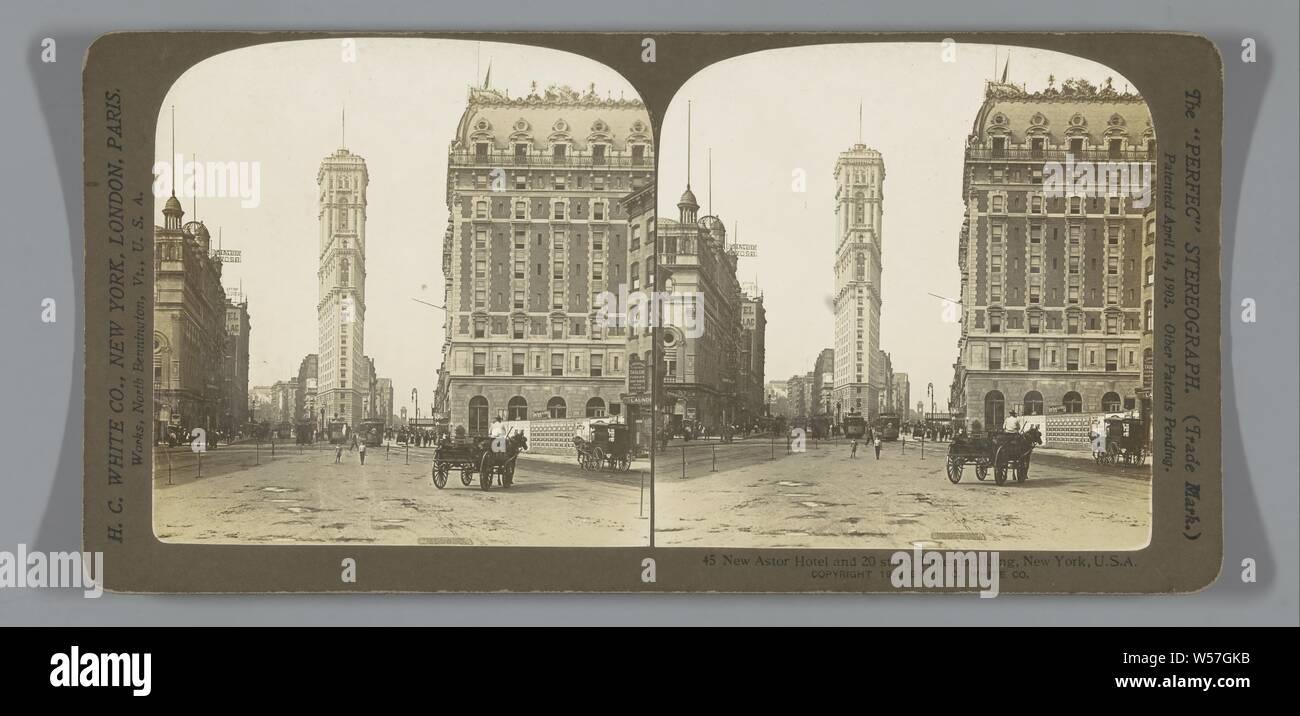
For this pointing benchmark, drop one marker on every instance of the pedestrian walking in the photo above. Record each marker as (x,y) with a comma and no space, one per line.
(362,450)
(853,448)
(877,443)
(338,454)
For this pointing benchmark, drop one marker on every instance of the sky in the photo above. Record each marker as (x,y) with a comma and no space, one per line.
(765,115)
(281,105)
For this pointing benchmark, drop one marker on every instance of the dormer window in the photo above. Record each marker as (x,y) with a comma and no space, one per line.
(559,152)
(638,154)
(481,151)
(598,154)
(999,146)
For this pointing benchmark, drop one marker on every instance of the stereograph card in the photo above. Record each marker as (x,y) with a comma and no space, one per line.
(639,312)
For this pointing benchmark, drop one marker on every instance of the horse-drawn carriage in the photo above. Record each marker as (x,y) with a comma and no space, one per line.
(610,447)
(1003,453)
(492,458)
(1125,442)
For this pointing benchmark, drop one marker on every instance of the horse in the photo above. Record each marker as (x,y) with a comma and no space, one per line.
(498,456)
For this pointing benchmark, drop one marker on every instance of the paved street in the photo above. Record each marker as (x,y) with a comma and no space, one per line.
(824,499)
(246,495)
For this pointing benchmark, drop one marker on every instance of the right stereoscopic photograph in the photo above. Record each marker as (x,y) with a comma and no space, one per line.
(920,302)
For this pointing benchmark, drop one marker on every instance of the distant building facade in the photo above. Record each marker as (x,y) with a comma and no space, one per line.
(189,340)
(859,196)
(342,377)
(235,369)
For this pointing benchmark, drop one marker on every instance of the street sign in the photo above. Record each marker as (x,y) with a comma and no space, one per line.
(635,399)
(227,256)
(636,379)
(745,250)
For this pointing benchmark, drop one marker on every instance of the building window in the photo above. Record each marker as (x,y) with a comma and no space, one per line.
(1112,325)
(597,241)
(1073,402)
(559,210)
(517,364)
(517,408)
(1072,359)
(521,210)
(1147,319)
(480,364)
(521,237)
(1035,358)
(995,324)
(996,231)
(595,408)
(1033,403)
(597,365)
(1110,402)
(555,407)
(557,364)
(999,204)
(995,358)
(598,211)
(994,407)
(478,415)
(480,210)
(519,330)
(1112,360)
(480,329)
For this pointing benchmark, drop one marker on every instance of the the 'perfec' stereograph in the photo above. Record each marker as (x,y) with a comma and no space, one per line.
(625,312)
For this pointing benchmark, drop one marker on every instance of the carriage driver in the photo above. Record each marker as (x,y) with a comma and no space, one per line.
(498,429)
(1012,424)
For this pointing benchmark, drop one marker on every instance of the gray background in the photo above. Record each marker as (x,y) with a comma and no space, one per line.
(40,500)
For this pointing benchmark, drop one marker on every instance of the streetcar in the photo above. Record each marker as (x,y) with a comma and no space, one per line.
(855,426)
(338,432)
(886,426)
(372,432)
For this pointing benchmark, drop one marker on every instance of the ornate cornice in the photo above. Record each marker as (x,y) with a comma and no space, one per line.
(552,96)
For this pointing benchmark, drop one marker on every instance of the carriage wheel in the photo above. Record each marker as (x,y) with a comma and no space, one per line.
(508,475)
(440,475)
(954,469)
(485,474)
(467,476)
(999,467)
(981,472)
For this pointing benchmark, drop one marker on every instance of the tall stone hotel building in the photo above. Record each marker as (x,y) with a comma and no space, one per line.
(343,372)
(1051,285)
(859,180)
(536,232)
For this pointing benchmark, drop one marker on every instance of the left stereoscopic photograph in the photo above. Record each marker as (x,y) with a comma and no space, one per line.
(375,294)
